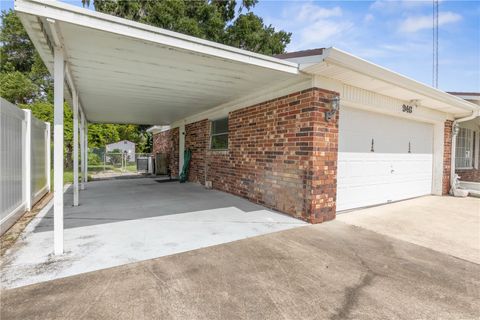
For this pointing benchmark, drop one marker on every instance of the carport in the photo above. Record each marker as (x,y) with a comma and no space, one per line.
(130,220)
(112,70)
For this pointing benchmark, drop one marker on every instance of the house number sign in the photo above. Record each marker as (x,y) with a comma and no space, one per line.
(406,108)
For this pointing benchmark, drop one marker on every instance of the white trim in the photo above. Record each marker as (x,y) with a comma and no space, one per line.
(68,13)
(438,150)
(338,57)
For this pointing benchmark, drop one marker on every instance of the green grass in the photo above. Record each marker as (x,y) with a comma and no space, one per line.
(68,173)
(131,168)
(67,177)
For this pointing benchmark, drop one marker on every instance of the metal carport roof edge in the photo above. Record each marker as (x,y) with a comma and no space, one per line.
(104,22)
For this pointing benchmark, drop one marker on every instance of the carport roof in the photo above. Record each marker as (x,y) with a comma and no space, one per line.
(128,72)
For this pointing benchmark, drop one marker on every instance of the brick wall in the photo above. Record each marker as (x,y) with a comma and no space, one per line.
(469,174)
(447,156)
(168,142)
(282,154)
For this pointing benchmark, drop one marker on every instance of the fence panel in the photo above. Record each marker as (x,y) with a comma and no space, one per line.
(24,162)
(39,159)
(12,130)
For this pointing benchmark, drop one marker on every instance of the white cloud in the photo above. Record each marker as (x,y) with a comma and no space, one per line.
(417,23)
(314,25)
(311,12)
(368,18)
(322,33)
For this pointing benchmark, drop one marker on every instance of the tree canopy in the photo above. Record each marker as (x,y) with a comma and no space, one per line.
(222,21)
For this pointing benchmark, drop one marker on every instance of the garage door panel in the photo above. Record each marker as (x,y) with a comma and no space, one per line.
(399,167)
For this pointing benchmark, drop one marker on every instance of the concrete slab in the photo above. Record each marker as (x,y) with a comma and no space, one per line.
(111,228)
(129,199)
(328,271)
(446,224)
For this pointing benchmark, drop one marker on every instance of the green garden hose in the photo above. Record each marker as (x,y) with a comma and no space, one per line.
(187,155)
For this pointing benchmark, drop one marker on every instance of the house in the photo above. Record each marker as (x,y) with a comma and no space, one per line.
(355,134)
(125,147)
(306,133)
(467,144)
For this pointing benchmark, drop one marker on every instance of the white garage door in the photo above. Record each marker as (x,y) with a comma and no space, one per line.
(382,159)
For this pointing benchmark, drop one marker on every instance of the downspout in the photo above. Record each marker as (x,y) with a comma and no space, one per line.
(475,113)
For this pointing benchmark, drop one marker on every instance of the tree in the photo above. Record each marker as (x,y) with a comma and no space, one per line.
(16,87)
(215,20)
(17,52)
(21,68)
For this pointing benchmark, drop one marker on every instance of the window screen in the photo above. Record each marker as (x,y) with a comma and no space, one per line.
(219,134)
(464,149)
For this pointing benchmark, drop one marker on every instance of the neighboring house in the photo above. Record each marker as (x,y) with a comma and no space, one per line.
(125,146)
(467,150)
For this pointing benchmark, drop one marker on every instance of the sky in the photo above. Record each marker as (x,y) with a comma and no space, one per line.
(394,34)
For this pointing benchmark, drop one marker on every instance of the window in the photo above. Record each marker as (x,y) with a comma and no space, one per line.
(219,134)
(464,148)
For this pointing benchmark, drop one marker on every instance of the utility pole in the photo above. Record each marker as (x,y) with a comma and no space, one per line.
(435,45)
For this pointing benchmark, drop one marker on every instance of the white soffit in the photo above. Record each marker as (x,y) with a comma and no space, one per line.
(354,71)
(127,72)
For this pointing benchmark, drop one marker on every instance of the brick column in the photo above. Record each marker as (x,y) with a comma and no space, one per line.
(323,189)
(447,156)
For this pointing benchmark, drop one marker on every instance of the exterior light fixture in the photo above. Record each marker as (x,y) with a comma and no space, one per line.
(335,105)
(455,129)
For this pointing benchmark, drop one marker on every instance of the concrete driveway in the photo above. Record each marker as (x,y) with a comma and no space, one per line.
(445,224)
(328,271)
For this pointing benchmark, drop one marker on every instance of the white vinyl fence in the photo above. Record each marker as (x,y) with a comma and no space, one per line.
(24,162)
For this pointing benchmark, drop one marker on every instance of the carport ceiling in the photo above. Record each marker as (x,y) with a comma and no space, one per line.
(127,72)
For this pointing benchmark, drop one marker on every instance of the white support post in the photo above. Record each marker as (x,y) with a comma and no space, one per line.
(48,160)
(28,159)
(477,145)
(82,149)
(75,149)
(85,177)
(181,148)
(59,64)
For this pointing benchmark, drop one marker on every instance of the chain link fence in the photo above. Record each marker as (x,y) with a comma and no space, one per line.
(105,163)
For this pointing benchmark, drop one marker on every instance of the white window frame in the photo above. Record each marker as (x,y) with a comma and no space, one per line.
(468,143)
